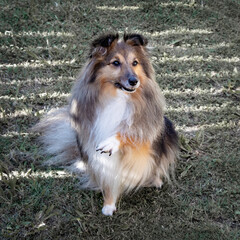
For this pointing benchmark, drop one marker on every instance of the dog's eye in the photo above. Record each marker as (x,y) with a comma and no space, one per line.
(116,63)
(135,63)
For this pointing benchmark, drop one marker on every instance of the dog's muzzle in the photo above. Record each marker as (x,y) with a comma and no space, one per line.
(129,85)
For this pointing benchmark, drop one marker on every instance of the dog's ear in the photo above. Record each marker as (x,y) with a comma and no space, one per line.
(102,44)
(135,39)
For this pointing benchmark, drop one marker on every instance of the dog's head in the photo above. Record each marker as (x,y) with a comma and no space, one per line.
(120,64)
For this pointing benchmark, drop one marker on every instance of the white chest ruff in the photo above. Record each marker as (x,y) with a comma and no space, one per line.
(109,122)
(110,117)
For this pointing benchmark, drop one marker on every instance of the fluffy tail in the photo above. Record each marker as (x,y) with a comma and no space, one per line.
(58,138)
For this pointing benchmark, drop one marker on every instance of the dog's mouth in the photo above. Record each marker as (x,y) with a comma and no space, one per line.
(120,86)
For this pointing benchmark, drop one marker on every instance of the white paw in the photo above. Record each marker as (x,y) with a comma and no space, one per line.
(110,145)
(157,182)
(109,209)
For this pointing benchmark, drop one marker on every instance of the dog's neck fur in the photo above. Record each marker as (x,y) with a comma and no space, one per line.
(113,116)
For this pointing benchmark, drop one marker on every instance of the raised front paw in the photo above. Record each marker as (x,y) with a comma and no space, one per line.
(110,145)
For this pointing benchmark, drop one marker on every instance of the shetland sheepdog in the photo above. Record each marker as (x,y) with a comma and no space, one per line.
(114,123)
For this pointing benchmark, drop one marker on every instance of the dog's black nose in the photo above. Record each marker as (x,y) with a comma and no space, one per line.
(132,80)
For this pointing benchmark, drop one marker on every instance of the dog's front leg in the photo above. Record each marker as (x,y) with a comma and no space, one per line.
(109,202)
(110,145)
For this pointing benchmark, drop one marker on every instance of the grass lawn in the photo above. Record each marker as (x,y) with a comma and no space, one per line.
(196,55)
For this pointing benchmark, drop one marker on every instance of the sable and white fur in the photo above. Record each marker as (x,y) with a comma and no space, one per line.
(114,123)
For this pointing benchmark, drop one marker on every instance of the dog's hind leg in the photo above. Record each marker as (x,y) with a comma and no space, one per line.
(157,181)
